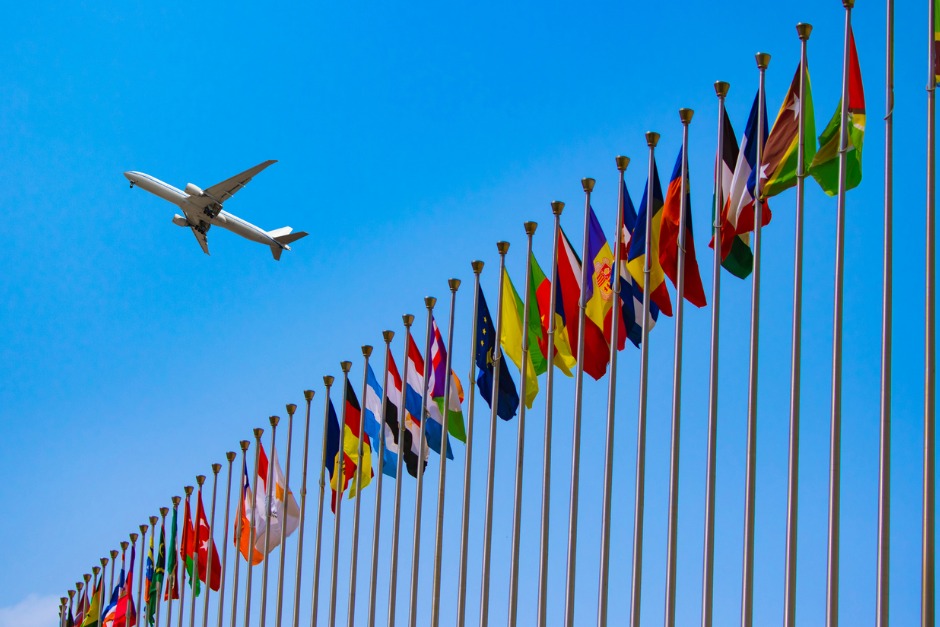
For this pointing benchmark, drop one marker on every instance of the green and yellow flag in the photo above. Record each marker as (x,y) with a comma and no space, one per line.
(93,613)
(511,337)
(540,294)
(782,147)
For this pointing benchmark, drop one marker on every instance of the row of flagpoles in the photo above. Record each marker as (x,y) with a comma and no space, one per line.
(578,322)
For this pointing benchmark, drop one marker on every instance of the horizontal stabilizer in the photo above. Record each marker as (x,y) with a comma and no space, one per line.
(289,237)
(284,240)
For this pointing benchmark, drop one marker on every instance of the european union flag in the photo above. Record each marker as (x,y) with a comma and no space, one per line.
(487,342)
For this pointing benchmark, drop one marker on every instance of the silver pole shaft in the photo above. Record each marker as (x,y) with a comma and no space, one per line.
(295,621)
(269,498)
(170,583)
(354,554)
(195,576)
(636,579)
(503,248)
(239,529)
(408,319)
(471,397)
(159,591)
(454,284)
(341,469)
(230,456)
(588,185)
(520,437)
(793,474)
(557,208)
(928,558)
(281,559)
(750,480)
(376,523)
(138,606)
(419,489)
(181,565)
(314,614)
(253,482)
(611,402)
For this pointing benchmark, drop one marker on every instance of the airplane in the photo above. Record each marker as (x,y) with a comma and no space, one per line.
(203,209)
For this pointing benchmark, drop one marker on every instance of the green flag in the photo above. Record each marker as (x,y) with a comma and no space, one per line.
(511,330)
(156,581)
(781,151)
(172,584)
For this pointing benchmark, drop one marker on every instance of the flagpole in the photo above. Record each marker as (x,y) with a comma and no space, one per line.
(930,316)
(210,543)
(163,512)
(253,485)
(95,570)
(407,319)
(520,434)
(171,589)
(182,561)
(230,457)
(835,444)
(477,267)
(884,452)
(622,163)
(354,554)
(340,467)
(194,578)
(453,284)
(291,408)
(308,396)
(429,302)
(327,382)
(114,554)
(78,591)
(239,524)
(269,488)
(502,248)
(557,208)
(124,546)
(588,185)
(140,566)
(63,603)
(376,523)
(747,595)
(71,594)
(636,579)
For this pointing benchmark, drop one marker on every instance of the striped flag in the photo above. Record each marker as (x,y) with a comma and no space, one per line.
(778,171)
(636,260)
(385,438)
(540,295)
(510,337)
(631,290)
(669,245)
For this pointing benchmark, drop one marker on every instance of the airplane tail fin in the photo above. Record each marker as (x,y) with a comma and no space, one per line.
(283,237)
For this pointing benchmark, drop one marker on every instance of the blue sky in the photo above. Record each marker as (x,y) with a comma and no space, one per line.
(410,139)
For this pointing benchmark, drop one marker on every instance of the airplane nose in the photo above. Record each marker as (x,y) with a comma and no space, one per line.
(129,175)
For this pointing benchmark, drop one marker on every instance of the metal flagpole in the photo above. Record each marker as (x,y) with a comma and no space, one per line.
(291,408)
(542,618)
(182,561)
(884,453)
(930,318)
(71,594)
(588,185)
(194,578)
(215,482)
(163,512)
(269,498)
(636,580)
(239,529)
(789,606)
(520,434)
(140,566)
(95,570)
(747,595)
(171,589)
(327,382)
(340,467)
(622,163)
(408,319)
(354,554)
(253,483)
(376,523)
(63,603)
(502,248)
(835,443)
(308,396)
(230,457)
(114,554)
(453,284)
(78,591)
(477,267)
(708,560)
(429,302)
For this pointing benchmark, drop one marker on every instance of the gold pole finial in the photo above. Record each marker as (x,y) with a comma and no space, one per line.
(188,490)
(328,380)
(685,115)
(622,162)
(243,445)
(388,336)
(230,456)
(848,4)
(502,247)
(104,562)
(64,600)
(366,350)
(345,366)
(258,431)
(274,420)
(200,480)
(143,528)
(216,468)
(453,284)
(133,537)
(81,584)
(652,138)
(530,227)
(124,545)
(166,510)
(71,593)
(176,500)
(87,577)
(587,184)
(308,395)
(803,30)
(115,552)
(291,408)
(557,207)
(95,570)
(721,88)
(154,520)
(429,302)
(477,266)
(763,60)
(408,319)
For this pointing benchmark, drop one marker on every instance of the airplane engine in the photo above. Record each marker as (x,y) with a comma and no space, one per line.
(192,190)
(179,220)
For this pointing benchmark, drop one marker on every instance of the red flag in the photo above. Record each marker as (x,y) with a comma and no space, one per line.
(669,238)
(204,543)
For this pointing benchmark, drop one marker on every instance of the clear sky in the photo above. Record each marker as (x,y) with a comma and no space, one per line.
(410,139)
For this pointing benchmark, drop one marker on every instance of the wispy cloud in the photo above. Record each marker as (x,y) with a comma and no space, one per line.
(33,611)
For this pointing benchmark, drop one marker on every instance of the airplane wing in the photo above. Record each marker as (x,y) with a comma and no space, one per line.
(200,234)
(221,192)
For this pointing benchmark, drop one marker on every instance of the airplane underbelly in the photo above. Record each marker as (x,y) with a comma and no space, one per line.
(237,227)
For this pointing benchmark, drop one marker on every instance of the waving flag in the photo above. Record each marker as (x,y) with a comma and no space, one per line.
(511,331)
(385,438)
(172,584)
(155,576)
(93,613)
(334,459)
(636,259)
(269,533)
(540,294)
(205,546)
(739,259)
(669,244)
(188,547)
(247,510)
(631,290)
(781,151)
(487,344)
(414,388)
(80,610)
(395,411)
(437,379)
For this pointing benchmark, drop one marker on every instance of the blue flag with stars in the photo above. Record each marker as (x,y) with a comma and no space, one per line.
(508,401)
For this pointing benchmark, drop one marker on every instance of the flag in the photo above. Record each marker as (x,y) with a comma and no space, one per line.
(334,459)
(360,478)
(737,215)
(93,613)
(395,409)
(510,336)
(155,575)
(206,545)
(80,610)
(778,171)
(188,548)
(740,259)
(384,437)
(109,615)
(540,293)
(247,512)
(508,400)
(631,290)
(669,236)
(125,614)
(271,531)
(414,388)
(70,621)
(437,380)
(825,165)
(172,584)
(636,259)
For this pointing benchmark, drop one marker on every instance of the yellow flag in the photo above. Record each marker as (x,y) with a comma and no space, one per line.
(510,337)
